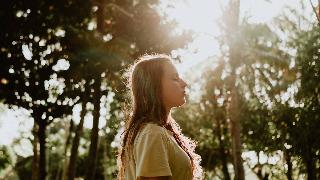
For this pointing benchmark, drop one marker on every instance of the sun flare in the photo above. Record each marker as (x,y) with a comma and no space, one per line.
(202,18)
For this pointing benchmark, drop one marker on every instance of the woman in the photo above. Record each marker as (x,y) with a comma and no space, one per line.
(152,144)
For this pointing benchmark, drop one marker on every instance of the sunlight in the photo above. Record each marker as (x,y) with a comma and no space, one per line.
(197,16)
(13,123)
(202,18)
(26,51)
(252,158)
(104,112)
(61,65)
(245,91)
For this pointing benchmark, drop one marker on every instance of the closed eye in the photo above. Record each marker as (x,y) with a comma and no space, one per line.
(176,78)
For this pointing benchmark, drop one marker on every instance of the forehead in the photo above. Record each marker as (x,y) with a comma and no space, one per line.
(169,69)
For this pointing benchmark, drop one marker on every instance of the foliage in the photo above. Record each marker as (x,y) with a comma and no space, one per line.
(277,83)
(5,158)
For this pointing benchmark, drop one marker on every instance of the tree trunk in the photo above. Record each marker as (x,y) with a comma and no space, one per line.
(42,141)
(104,146)
(75,144)
(66,151)
(223,155)
(232,34)
(236,133)
(100,16)
(35,159)
(93,151)
(311,170)
(258,167)
(289,164)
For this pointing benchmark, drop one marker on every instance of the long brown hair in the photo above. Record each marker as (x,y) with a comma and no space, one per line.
(144,81)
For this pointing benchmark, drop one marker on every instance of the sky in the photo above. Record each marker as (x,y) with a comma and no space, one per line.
(200,16)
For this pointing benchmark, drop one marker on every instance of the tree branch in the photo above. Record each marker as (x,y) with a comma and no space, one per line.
(315,10)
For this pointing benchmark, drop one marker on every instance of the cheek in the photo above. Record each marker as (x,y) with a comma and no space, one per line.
(166,91)
(170,88)
(171,94)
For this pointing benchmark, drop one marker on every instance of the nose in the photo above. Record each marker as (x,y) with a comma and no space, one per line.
(184,84)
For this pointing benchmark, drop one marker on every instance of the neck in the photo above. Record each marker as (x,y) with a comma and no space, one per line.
(168,115)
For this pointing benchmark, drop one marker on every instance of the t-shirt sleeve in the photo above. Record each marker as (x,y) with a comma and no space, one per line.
(152,156)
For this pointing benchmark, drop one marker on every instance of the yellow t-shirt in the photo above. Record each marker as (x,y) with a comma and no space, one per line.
(156,153)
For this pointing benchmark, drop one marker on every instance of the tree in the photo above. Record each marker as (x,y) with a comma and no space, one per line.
(232,33)
(308,95)
(305,119)
(35,29)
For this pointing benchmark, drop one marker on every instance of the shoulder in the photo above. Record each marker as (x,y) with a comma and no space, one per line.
(152,128)
(153,140)
(152,131)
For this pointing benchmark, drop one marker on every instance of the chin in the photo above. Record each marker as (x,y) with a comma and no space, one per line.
(181,103)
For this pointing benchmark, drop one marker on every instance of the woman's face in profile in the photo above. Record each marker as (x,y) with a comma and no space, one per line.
(173,87)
